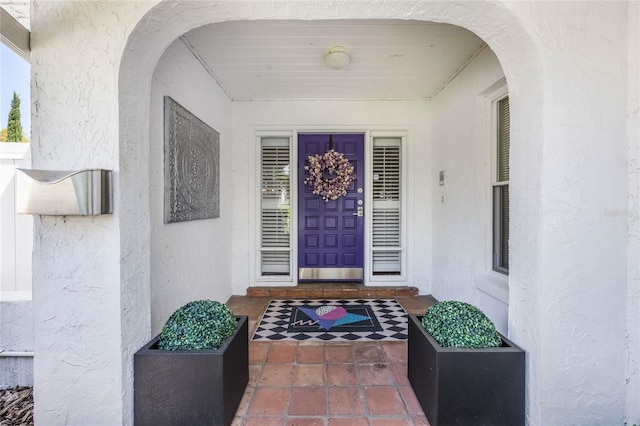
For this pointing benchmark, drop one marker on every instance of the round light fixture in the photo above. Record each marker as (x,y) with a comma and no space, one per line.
(337,57)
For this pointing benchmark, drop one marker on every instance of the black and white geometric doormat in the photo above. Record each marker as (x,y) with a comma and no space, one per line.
(333,320)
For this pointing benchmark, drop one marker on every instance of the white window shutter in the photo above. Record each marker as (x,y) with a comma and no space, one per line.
(275,219)
(387,190)
(504,130)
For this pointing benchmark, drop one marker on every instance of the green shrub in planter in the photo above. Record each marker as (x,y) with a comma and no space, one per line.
(202,324)
(196,371)
(460,325)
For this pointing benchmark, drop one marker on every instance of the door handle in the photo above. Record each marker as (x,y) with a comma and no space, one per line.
(359,212)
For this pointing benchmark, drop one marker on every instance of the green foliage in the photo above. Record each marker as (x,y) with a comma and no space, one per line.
(460,325)
(202,324)
(3,135)
(14,127)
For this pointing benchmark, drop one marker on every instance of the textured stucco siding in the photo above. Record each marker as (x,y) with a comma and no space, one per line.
(189,260)
(632,335)
(572,286)
(77,289)
(582,287)
(462,206)
(16,343)
(16,326)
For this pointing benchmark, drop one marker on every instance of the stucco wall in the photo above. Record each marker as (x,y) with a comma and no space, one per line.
(78,294)
(411,117)
(580,290)
(16,325)
(566,64)
(632,344)
(189,260)
(16,342)
(462,206)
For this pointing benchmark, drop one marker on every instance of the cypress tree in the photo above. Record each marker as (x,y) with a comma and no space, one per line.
(14,127)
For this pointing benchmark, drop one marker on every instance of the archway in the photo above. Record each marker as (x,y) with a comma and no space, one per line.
(160,27)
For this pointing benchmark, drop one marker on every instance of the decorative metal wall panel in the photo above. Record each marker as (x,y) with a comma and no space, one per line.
(192,166)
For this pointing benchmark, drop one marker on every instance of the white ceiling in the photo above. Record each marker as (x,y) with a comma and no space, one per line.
(284,59)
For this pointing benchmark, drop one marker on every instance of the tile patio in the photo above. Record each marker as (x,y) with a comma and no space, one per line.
(327,383)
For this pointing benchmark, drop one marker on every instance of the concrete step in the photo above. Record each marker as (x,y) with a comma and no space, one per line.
(331,291)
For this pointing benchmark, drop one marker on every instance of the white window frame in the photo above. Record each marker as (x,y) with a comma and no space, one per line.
(491,282)
(402,277)
(292,279)
(494,177)
(275,279)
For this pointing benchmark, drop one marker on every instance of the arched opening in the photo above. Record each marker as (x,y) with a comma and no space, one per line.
(153,36)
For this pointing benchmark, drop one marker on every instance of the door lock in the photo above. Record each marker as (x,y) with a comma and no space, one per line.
(359,212)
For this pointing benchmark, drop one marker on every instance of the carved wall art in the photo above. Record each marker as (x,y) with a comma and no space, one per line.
(191,166)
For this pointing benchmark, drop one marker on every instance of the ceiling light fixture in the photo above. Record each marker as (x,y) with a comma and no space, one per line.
(337,57)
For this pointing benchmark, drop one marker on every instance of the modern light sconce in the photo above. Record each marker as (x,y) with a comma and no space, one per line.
(64,193)
(337,57)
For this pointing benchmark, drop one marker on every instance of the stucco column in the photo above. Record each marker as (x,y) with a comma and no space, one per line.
(572,318)
(78,371)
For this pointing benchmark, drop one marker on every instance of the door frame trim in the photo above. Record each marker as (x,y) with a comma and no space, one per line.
(292,132)
(384,279)
(305,274)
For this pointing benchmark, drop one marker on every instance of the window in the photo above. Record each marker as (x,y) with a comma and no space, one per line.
(501,187)
(275,207)
(386,178)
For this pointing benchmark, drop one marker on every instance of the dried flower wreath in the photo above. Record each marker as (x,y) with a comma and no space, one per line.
(330,174)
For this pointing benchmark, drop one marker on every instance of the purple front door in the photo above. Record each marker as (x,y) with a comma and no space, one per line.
(331,233)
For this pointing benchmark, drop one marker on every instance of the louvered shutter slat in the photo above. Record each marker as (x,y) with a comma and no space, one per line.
(275,206)
(504,129)
(386,172)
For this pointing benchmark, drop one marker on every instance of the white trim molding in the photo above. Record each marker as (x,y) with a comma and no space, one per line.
(292,135)
(494,284)
(15,36)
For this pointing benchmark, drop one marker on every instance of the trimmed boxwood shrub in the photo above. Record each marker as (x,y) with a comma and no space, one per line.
(202,324)
(460,325)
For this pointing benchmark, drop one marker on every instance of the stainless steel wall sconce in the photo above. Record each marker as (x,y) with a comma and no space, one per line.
(64,193)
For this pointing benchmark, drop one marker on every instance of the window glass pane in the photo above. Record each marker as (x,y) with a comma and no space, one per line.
(386,172)
(275,262)
(386,227)
(386,263)
(504,227)
(501,228)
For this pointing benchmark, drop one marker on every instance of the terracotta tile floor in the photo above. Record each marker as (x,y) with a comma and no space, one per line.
(327,383)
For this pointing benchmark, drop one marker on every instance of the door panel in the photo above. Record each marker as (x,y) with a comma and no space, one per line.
(331,233)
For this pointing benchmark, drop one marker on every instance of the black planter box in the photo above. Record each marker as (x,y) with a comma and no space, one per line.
(200,387)
(460,386)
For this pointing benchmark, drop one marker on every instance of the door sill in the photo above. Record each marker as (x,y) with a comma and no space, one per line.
(315,274)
